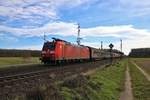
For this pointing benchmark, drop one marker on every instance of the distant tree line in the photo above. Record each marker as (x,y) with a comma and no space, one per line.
(19,53)
(141,52)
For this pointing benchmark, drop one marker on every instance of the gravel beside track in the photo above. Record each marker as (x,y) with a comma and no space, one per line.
(23,81)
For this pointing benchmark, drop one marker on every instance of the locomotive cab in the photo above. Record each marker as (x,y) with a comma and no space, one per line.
(48,52)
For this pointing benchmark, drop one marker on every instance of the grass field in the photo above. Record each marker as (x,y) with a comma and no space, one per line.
(144,63)
(138,59)
(18,60)
(105,84)
(140,85)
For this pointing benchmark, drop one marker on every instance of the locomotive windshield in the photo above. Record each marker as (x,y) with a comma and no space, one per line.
(50,46)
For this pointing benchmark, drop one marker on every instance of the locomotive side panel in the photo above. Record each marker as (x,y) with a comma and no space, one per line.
(76,52)
(84,53)
(59,50)
(71,52)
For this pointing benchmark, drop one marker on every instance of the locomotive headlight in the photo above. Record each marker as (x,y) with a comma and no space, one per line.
(52,52)
(43,52)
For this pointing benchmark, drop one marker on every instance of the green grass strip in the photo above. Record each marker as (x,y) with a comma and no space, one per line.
(105,84)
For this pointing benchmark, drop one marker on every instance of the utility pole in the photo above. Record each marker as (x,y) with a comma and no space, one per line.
(101,45)
(121,45)
(121,48)
(44,37)
(78,37)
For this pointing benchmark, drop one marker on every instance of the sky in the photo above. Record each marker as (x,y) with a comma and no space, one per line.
(24,22)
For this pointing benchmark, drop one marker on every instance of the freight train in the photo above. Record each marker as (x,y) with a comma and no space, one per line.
(61,51)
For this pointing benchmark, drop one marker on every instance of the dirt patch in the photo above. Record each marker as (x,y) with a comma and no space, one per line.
(127,93)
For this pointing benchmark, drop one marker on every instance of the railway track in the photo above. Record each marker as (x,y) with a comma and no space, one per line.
(16,69)
(21,76)
(40,72)
(20,69)
(12,78)
(15,82)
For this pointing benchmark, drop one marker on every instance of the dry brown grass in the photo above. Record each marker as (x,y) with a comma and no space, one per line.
(144,63)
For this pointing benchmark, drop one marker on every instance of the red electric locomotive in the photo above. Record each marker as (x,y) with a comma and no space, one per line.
(59,51)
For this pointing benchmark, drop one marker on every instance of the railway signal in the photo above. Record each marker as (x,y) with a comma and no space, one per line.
(111,55)
(111,46)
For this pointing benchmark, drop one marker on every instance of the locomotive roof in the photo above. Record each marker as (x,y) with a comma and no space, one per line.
(56,39)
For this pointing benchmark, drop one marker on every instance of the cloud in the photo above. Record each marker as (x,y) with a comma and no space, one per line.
(137,42)
(37,10)
(132,37)
(50,8)
(36,13)
(134,7)
(56,28)
(1,34)
(34,10)
(70,29)
(125,8)
(41,16)
(17,9)
(7,40)
(128,44)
